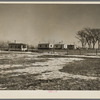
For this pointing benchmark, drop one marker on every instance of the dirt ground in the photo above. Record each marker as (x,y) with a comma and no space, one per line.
(48,71)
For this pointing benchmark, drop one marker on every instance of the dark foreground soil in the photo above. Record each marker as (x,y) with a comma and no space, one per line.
(87,67)
(29,82)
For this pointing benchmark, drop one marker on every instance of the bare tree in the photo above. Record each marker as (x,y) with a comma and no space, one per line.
(90,37)
(93,36)
(81,35)
(97,36)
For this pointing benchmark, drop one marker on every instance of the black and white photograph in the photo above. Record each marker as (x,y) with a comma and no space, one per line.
(49,47)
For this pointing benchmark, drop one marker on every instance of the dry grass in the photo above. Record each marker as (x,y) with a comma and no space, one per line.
(88,67)
(20,61)
(28,82)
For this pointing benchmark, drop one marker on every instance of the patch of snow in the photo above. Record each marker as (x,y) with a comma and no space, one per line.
(64,76)
(10,66)
(51,67)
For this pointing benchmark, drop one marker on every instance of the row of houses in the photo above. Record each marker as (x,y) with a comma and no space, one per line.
(55,46)
(24,47)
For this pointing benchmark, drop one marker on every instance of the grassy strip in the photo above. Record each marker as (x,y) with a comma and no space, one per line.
(28,82)
(88,67)
(20,61)
(52,56)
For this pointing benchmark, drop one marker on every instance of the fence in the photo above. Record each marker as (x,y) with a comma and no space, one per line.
(74,52)
(66,51)
(83,52)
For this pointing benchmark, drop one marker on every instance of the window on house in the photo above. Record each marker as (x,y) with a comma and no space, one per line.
(10,46)
(19,46)
(50,45)
(24,46)
(15,46)
(46,45)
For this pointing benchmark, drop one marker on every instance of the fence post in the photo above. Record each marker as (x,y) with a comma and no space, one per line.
(80,51)
(67,51)
(96,52)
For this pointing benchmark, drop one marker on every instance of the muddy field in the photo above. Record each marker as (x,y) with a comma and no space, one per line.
(48,71)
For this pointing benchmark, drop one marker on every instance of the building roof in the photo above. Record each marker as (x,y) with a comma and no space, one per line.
(70,44)
(44,43)
(59,44)
(17,43)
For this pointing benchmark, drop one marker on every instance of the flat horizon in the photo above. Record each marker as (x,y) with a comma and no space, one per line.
(34,23)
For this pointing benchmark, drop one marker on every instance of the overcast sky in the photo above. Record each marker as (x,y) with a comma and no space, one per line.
(31,23)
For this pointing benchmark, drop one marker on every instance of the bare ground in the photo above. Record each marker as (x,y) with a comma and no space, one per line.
(43,71)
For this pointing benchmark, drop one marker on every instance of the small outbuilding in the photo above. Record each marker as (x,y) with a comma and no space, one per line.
(18,47)
(45,46)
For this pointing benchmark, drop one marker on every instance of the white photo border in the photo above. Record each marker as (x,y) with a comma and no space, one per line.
(46,94)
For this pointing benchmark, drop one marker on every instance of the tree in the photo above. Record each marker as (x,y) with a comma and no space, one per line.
(90,37)
(94,36)
(81,35)
(98,37)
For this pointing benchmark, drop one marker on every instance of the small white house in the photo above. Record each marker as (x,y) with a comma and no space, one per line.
(45,46)
(17,47)
(60,46)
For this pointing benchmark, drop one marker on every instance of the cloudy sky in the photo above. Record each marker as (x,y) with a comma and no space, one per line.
(34,23)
